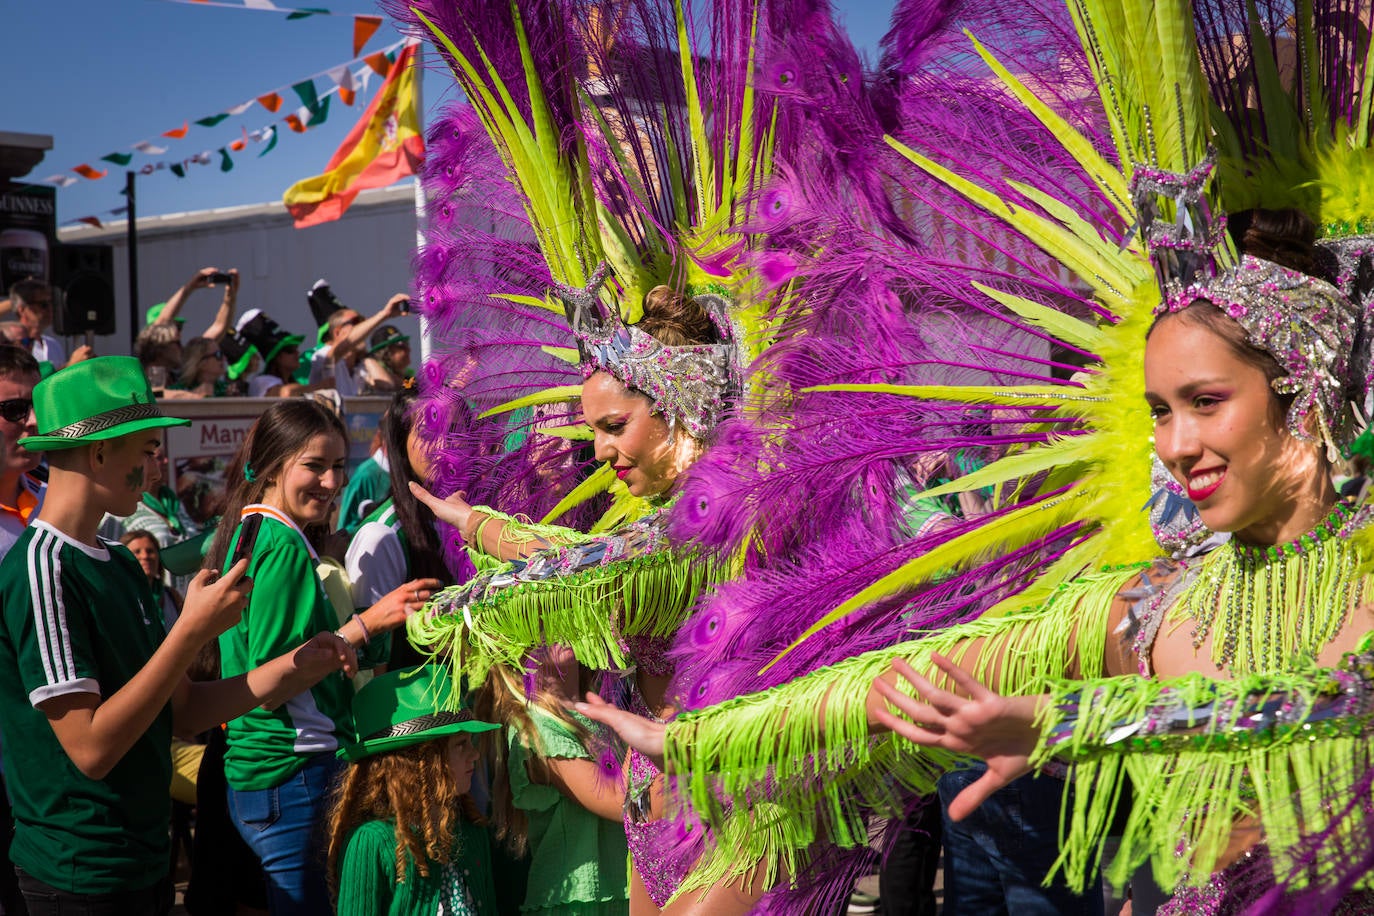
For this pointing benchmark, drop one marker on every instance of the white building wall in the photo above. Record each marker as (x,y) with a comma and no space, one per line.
(365,255)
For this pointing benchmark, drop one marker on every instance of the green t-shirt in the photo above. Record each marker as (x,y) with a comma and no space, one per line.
(577,858)
(367,876)
(287,606)
(369,485)
(77,619)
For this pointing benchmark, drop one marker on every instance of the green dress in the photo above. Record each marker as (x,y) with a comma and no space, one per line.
(577,859)
(367,876)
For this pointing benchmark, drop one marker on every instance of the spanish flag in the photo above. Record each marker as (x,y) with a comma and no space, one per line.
(386,145)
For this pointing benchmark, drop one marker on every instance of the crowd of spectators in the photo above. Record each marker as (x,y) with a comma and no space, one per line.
(254,356)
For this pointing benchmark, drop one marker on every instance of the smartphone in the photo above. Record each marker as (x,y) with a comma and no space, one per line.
(248,535)
(405,307)
(220,278)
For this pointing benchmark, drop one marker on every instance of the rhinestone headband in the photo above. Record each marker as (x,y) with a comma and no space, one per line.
(1308,326)
(691,384)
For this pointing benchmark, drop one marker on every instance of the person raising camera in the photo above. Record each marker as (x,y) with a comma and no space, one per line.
(345,338)
(169,313)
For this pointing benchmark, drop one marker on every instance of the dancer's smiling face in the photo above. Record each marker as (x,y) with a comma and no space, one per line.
(1219,429)
(629,435)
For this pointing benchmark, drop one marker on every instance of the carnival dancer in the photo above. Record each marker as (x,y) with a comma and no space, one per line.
(623,238)
(279,763)
(1250,376)
(614,600)
(1288,587)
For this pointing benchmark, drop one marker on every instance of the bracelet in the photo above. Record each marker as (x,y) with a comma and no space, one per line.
(474,527)
(367,637)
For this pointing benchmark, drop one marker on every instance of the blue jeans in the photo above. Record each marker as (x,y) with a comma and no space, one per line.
(284,828)
(997,858)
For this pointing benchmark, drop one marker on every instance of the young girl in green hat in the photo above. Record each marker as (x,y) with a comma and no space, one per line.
(404,836)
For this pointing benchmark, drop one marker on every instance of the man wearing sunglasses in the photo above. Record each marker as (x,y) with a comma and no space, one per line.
(20,495)
(32,301)
(336,363)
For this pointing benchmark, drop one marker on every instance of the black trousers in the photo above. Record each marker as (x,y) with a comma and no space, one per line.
(906,884)
(44,900)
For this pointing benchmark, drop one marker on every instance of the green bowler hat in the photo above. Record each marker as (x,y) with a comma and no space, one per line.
(385,336)
(155,312)
(410,706)
(93,400)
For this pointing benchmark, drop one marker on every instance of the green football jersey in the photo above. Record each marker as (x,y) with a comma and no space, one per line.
(79,619)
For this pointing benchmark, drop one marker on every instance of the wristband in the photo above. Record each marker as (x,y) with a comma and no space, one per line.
(367,637)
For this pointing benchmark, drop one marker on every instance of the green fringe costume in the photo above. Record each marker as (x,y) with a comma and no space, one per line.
(806,747)
(591,593)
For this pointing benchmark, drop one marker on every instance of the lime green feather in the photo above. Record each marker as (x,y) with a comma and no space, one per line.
(569,355)
(597,482)
(580,432)
(1078,254)
(1006,395)
(1070,330)
(1106,176)
(550,395)
(531,301)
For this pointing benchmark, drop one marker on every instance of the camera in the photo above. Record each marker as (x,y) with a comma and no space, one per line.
(405,307)
(219,278)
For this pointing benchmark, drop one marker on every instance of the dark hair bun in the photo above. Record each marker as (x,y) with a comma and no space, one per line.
(1286,237)
(676,320)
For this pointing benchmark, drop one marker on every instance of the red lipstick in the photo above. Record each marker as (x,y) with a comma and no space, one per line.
(1197,492)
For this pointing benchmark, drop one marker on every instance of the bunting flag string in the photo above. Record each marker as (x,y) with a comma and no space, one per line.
(300,120)
(95,220)
(364,27)
(314,110)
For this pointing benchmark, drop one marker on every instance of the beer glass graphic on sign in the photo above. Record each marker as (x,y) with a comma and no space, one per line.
(23,253)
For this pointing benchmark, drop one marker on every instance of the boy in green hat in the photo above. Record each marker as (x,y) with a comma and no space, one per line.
(403,802)
(92,686)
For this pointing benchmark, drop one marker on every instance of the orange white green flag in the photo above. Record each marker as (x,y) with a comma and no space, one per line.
(386,145)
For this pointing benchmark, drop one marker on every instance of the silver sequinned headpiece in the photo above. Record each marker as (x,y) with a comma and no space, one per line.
(1308,326)
(691,384)
(1306,323)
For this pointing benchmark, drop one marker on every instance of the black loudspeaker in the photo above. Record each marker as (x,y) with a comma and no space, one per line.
(84,277)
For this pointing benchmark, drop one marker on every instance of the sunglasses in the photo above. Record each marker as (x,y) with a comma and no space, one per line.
(16,410)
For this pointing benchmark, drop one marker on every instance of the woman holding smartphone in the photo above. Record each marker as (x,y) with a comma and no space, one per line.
(280,763)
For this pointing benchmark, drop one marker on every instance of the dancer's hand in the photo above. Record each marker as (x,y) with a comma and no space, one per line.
(645,735)
(1001,730)
(455,510)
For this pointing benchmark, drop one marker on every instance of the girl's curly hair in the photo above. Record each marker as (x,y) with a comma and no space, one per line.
(413,788)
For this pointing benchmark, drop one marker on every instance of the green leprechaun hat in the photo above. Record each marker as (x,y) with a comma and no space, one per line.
(93,400)
(266,335)
(386,336)
(155,312)
(410,706)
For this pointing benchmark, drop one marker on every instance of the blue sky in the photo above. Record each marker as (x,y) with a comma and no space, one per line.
(101,75)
